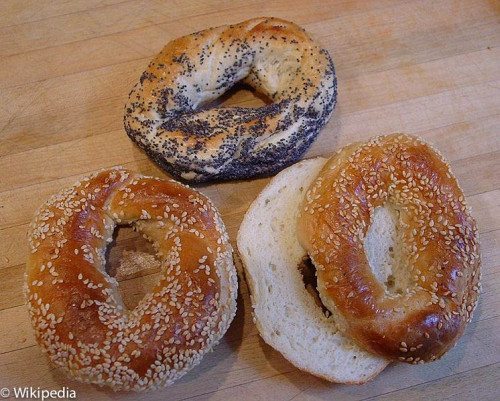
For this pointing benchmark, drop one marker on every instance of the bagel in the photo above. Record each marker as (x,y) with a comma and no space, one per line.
(415,307)
(74,305)
(284,311)
(165,117)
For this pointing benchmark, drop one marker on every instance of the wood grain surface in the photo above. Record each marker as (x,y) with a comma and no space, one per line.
(425,67)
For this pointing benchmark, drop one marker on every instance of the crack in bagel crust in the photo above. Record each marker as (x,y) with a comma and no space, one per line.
(74,305)
(439,242)
(275,57)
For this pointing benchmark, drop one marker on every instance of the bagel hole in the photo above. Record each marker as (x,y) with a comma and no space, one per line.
(131,260)
(308,273)
(240,95)
(384,251)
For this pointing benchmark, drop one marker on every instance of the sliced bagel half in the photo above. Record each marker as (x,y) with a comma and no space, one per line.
(287,313)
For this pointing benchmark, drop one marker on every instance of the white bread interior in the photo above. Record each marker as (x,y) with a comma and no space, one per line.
(285,313)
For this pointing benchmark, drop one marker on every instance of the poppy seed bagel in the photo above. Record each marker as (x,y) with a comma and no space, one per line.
(165,116)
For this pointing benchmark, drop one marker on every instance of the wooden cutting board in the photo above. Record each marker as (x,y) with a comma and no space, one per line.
(425,67)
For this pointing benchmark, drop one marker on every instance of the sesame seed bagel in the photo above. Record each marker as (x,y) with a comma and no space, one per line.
(75,308)
(419,310)
(165,117)
(285,308)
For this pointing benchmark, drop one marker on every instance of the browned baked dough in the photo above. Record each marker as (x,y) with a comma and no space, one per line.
(75,309)
(438,234)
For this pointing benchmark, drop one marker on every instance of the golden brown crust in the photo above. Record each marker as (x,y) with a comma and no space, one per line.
(440,247)
(75,310)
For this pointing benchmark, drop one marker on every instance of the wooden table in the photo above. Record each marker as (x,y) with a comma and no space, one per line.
(426,67)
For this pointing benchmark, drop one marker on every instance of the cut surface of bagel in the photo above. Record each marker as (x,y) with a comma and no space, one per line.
(285,312)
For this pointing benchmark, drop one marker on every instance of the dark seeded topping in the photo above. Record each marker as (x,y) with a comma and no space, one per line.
(166,118)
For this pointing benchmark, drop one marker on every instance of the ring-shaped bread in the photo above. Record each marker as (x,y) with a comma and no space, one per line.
(165,115)
(437,249)
(75,308)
